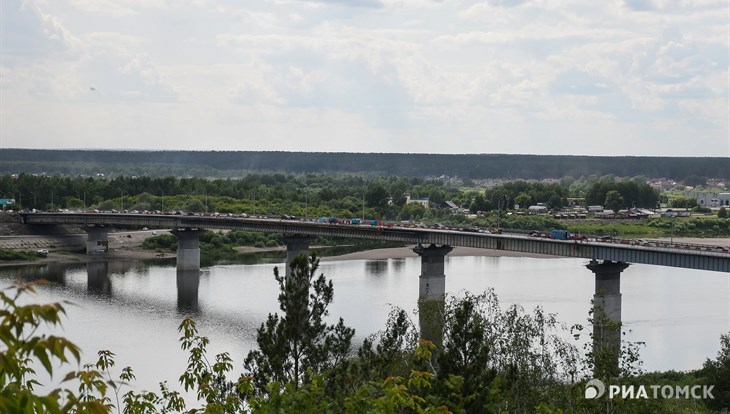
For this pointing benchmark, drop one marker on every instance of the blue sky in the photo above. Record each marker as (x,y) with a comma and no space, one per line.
(623,77)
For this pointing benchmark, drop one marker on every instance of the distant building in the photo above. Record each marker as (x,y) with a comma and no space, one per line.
(538,209)
(454,208)
(421,200)
(576,201)
(709,199)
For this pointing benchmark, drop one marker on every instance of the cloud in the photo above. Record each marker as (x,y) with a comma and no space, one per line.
(28,33)
(446,75)
(374,4)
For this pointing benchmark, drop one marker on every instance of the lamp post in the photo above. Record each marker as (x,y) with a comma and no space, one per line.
(253,195)
(363,204)
(306,200)
(34,201)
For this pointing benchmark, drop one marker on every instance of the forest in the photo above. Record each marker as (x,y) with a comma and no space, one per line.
(240,163)
(373,198)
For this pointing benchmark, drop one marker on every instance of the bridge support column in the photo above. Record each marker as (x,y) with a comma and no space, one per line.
(187,290)
(188,248)
(607,314)
(432,291)
(97,240)
(295,245)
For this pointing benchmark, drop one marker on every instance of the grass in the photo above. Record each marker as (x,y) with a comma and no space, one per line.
(7,255)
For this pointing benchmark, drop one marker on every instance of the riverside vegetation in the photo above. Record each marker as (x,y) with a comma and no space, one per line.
(381,198)
(489,360)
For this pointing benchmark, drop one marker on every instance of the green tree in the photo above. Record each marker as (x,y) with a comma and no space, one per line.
(717,373)
(695,181)
(299,343)
(523,200)
(614,201)
(722,213)
(376,196)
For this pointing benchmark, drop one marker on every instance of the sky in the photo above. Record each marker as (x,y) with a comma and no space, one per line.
(610,77)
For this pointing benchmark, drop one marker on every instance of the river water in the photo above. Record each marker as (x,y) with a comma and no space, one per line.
(134,308)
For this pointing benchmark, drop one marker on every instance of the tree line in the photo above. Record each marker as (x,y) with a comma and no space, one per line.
(240,163)
(343,196)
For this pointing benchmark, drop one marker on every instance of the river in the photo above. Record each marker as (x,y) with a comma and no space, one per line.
(134,308)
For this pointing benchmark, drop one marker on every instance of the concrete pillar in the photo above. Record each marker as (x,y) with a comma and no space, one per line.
(187,290)
(97,240)
(188,248)
(431,291)
(97,278)
(295,245)
(607,314)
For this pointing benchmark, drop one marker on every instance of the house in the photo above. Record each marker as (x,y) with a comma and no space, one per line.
(455,209)
(421,200)
(710,199)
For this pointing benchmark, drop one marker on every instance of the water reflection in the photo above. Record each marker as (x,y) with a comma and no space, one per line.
(98,282)
(376,267)
(187,291)
(51,272)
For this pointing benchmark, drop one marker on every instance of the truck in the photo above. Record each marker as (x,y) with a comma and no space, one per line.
(560,234)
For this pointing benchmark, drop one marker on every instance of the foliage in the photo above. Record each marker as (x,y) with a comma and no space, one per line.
(299,343)
(683,202)
(722,213)
(633,194)
(492,360)
(717,373)
(695,181)
(242,163)
(167,242)
(10,255)
(614,201)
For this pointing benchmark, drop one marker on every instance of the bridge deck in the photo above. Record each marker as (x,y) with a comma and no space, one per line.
(700,257)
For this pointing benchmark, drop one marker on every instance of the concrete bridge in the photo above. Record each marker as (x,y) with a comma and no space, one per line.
(606,260)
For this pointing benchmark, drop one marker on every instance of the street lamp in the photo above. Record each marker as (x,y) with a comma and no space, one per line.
(306,200)
(363,204)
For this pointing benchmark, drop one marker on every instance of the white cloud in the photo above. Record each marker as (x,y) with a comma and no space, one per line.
(401,75)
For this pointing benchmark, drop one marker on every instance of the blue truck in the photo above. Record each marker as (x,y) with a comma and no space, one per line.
(560,234)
